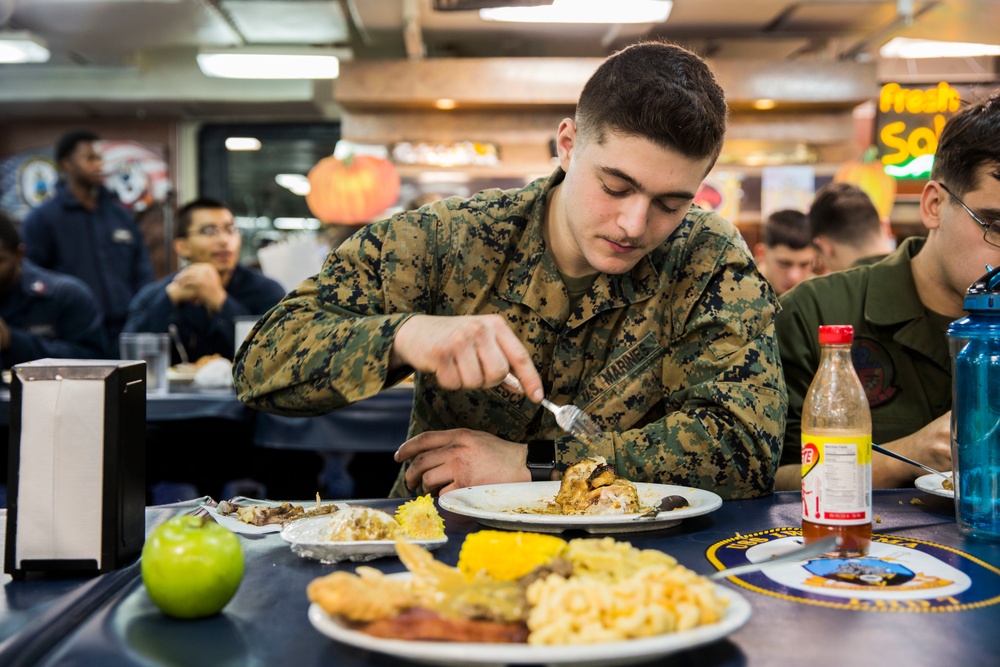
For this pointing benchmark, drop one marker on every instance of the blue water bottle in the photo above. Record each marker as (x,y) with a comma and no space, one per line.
(974,341)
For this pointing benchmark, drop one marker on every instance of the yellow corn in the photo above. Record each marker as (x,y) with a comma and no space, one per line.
(505,556)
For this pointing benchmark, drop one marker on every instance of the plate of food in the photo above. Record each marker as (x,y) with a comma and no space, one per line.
(590,497)
(517,609)
(936,485)
(185,373)
(359,533)
(256,517)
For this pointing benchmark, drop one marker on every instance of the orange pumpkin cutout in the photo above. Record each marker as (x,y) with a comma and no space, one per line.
(869,175)
(353,190)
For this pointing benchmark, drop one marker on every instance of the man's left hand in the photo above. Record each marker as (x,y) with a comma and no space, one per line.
(442,461)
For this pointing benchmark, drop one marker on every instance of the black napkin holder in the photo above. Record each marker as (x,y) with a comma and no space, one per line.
(76,488)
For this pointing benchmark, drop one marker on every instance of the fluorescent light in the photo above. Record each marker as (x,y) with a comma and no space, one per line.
(296,223)
(22,47)
(295,183)
(242,144)
(584,11)
(901,47)
(269,63)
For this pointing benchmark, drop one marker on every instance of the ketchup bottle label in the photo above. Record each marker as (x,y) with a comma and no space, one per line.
(836,479)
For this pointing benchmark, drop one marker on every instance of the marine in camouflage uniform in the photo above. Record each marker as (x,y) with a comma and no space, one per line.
(676,359)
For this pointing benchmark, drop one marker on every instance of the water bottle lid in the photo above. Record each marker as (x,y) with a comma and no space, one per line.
(984,294)
(836,334)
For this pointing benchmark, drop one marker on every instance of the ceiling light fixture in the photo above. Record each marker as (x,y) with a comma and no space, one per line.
(901,47)
(22,47)
(242,144)
(584,11)
(270,63)
(445,104)
(764,104)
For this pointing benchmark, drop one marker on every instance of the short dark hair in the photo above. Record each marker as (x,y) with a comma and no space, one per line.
(660,92)
(10,237)
(68,142)
(844,213)
(787,227)
(969,140)
(185,212)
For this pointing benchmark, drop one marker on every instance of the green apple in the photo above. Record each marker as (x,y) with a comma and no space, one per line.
(191,566)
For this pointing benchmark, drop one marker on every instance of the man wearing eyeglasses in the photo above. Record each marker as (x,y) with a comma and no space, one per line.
(901,307)
(203,298)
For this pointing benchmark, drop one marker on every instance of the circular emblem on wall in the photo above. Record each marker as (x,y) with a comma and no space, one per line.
(899,574)
(36,180)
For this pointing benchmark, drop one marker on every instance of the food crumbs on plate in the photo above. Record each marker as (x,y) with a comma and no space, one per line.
(916,501)
(878,519)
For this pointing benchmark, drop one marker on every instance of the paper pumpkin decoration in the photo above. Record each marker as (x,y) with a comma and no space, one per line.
(869,175)
(353,190)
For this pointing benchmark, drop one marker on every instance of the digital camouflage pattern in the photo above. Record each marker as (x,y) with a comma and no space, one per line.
(677,359)
(900,350)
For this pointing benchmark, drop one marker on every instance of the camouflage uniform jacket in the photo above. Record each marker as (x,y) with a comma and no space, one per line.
(676,358)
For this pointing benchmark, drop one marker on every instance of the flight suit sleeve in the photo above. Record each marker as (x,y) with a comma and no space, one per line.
(328,342)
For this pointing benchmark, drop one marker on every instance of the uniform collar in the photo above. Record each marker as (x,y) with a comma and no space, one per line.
(893,301)
(533,280)
(892,295)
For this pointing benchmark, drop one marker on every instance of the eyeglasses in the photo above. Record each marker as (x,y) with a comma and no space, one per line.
(991,228)
(212,230)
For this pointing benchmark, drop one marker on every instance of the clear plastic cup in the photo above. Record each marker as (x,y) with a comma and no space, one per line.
(154,349)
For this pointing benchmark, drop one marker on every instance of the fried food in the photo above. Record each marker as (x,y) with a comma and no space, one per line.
(368,595)
(265,515)
(592,487)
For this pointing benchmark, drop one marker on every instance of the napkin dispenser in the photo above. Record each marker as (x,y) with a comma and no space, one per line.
(76,488)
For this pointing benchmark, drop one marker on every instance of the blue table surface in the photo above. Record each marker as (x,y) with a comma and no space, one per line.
(266,623)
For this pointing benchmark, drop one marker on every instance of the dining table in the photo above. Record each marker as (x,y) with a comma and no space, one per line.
(110,620)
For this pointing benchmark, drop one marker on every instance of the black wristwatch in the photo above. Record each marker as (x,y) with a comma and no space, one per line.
(541,459)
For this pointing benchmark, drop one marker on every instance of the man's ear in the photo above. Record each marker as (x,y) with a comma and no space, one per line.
(931,200)
(825,247)
(759,253)
(181,248)
(565,141)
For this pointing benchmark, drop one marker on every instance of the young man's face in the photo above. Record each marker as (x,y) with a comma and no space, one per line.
(962,252)
(783,266)
(84,165)
(213,238)
(620,200)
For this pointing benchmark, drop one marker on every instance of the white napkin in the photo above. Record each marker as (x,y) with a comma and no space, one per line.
(216,373)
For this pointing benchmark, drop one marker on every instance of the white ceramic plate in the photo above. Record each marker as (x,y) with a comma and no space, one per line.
(232,523)
(931,483)
(182,373)
(592,655)
(306,538)
(521,506)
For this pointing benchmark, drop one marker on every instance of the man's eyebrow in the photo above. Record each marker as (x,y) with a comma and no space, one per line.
(617,173)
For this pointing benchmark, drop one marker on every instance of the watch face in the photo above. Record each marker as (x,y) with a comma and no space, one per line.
(541,454)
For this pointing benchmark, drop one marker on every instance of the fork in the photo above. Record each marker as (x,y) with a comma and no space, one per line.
(570,418)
